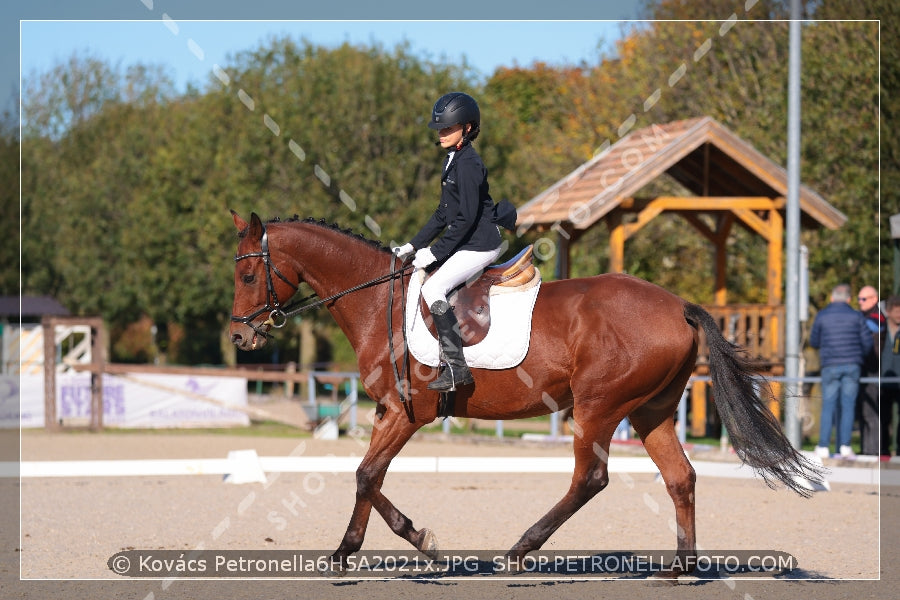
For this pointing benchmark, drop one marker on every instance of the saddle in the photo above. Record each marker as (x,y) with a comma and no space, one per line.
(470,301)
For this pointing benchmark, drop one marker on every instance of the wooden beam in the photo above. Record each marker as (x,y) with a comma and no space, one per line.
(774,277)
(750,218)
(718,202)
(563,253)
(723,229)
(616,242)
(699,225)
(249,373)
(774,274)
(698,408)
(49,332)
(645,216)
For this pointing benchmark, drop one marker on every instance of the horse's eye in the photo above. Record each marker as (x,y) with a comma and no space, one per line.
(248,278)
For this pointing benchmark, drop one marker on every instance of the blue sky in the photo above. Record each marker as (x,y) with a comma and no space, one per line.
(189,49)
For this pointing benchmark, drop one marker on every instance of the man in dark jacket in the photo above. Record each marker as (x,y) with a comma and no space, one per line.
(843,340)
(867,402)
(890,369)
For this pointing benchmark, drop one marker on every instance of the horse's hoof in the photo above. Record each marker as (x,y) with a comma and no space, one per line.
(513,565)
(332,568)
(428,544)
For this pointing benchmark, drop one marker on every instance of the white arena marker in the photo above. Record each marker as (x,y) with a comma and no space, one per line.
(244,467)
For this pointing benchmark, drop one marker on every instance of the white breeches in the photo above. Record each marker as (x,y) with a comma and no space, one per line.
(461,265)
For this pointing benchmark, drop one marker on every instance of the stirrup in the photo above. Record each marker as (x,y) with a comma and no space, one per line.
(442,384)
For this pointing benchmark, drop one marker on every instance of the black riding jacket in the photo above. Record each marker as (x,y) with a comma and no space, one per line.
(464,211)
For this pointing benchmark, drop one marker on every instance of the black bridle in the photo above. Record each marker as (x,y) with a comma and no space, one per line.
(273,304)
(278,316)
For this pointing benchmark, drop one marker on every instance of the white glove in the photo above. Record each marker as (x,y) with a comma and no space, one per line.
(403,252)
(424,257)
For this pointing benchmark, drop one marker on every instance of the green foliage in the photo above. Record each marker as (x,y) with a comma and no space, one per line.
(126,186)
(9,207)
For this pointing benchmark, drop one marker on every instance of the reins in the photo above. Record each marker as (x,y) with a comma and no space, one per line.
(402,379)
(290,311)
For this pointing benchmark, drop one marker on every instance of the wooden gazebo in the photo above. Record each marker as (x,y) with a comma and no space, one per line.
(729,180)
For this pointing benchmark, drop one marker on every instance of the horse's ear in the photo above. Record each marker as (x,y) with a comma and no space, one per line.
(256,227)
(238,221)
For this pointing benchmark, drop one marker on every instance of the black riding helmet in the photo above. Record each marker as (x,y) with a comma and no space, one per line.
(456,108)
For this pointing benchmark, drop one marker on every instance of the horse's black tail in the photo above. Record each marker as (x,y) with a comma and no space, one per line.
(754,432)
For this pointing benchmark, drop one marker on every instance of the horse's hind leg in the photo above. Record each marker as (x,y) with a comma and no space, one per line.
(654,423)
(589,478)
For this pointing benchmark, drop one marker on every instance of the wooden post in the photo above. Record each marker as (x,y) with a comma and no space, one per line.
(562,253)
(98,359)
(720,294)
(698,408)
(720,240)
(291,367)
(616,242)
(49,331)
(774,404)
(774,272)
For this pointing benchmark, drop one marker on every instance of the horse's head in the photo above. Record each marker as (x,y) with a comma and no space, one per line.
(260,287)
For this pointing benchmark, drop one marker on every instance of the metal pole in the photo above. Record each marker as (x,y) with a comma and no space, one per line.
(792,237)
(354,398)
(682,416)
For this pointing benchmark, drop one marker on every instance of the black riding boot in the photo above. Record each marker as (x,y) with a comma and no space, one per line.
(456,372)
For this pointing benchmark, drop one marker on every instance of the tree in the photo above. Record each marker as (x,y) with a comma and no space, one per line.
(9,206)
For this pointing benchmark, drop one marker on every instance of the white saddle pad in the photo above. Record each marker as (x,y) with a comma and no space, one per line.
(506,342)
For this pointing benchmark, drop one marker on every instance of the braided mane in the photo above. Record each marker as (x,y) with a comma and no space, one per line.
(333,227)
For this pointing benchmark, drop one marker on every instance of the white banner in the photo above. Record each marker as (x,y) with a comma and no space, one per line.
(139,400)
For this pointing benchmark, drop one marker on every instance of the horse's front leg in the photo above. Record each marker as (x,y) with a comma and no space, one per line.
(388,438)
(356,531)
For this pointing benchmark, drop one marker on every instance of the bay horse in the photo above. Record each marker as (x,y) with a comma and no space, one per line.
(607,347)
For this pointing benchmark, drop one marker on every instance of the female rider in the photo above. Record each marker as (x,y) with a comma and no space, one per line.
(466,215)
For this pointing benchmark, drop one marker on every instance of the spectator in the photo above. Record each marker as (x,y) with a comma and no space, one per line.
(867,401)
(890,367)
(843,340)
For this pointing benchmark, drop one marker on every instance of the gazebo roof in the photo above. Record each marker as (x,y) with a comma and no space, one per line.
(30,306)
(701,154)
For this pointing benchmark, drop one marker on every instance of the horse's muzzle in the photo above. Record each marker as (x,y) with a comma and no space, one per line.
(248,338)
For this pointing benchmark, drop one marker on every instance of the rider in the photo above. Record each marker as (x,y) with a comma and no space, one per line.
(466,215)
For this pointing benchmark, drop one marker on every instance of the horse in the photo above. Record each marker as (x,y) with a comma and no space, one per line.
(607,347)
